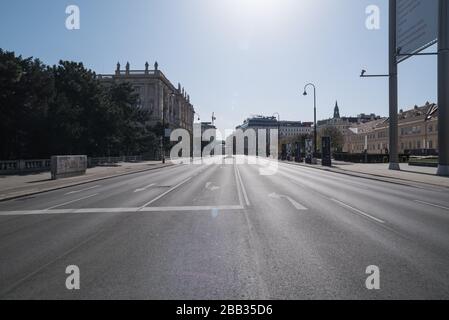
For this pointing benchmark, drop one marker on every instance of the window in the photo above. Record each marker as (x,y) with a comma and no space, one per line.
(430,144)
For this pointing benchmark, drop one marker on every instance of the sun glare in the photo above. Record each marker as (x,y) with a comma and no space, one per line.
(254,10)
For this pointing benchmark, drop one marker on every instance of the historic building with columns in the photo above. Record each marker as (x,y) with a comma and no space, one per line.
(167,104)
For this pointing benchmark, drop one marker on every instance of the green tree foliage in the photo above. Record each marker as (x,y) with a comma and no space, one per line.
(337,138)
(64,109)
(26,89)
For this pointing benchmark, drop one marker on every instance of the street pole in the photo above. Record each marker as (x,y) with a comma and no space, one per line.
(393,84)
(315,136)
(443,85)
(314,116)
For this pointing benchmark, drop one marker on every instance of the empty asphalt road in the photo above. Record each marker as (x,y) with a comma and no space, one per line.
(227,231)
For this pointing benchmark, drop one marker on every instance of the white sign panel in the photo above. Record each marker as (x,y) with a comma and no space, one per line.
(417,25)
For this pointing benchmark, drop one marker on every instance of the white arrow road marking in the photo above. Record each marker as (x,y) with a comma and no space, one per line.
(297,205)
(358,211)
(211,187)
(78,191)
(144,188)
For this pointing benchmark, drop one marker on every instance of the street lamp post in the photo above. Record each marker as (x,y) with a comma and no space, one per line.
(392,75)
(443,92)
(393,89)
(314,115)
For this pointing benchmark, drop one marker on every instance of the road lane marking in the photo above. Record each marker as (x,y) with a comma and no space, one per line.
(69,202)
(123,210)
(297,205)
(432,205)
(358,211)
(144,188)
(237,183)
(245,195)
(191,208)
(82,190)
(166,192)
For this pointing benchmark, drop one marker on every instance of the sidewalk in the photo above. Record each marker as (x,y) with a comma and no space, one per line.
(24,185)
(409,175)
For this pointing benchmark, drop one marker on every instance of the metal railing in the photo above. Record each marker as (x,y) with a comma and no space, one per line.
(11,167)
(23,166)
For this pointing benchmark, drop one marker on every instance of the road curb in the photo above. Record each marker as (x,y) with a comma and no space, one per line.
(27,194)
(374,177)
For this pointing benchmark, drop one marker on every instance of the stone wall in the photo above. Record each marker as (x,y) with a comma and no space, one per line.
(68,166)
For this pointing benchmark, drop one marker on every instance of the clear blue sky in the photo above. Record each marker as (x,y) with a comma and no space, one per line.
(234,57)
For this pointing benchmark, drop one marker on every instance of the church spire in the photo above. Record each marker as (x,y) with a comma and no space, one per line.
(336,111)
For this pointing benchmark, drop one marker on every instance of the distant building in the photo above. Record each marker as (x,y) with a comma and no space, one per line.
(344,123)
(418,131)
(156,94)
(259,122)
(286,128)
(207,126)
(294,128)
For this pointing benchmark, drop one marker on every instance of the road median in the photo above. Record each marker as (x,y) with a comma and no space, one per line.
(13,187)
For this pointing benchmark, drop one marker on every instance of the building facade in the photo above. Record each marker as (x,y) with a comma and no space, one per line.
(165,102)
(418,131)
(290,129)
(287,129)
(344,123)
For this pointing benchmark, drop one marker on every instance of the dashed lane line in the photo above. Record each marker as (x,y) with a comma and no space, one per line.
(432,205)
(82,190)
(73,201)
(358,211)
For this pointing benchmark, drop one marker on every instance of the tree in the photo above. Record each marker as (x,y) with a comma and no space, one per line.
(127,123)
(337,138)
(26,88)
(64,109)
